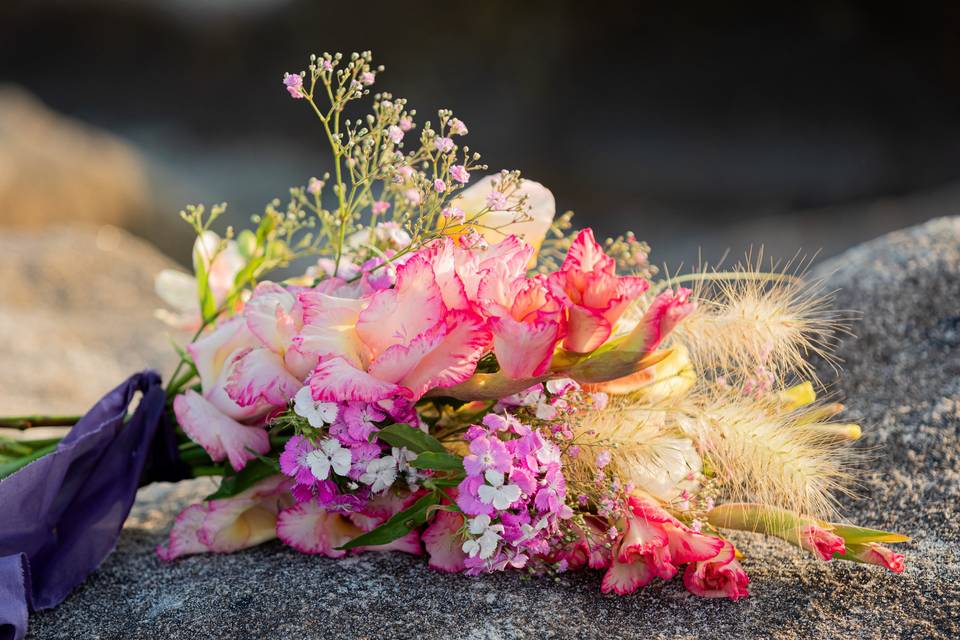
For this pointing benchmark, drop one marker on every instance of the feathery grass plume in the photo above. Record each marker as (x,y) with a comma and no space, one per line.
(645,445)
(763,453)
(758,328)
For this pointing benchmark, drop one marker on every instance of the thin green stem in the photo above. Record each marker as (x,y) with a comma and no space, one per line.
(27,422)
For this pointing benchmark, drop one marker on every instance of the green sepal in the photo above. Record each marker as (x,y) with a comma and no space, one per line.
(852,534)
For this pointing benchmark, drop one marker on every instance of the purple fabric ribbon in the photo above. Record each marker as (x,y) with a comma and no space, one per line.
(61,515)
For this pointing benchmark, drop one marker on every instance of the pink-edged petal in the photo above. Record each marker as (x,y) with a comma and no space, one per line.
(873,553)
(523,350)
(585,254)
(442,256)
(310,529)
(443,544)
(586,330)
(689,546)
(623,578)
(183,535)
(210,351)
(719,577)
(455,357)
(220,436)
(233,524)
(398,315)
(258,375)
(273,316)
(641,538)
(336,380)
(665,312)
(399,360)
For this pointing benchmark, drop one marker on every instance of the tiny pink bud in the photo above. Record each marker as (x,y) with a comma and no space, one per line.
(314,186)
(367,78)
(444,145)
(405,124)
(380,207)
(457,128)
(439,185)
(395,133)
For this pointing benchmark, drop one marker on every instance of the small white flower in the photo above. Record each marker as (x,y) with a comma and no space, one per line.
(487,537)
(496,493)
(318,414)
(380,474)
(330,455)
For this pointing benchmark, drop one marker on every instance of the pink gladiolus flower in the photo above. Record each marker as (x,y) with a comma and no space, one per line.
(526,320)
(873,553)
(404,341)
(820,541)
(652,545)
(718,577)
(223,526)
(294,84)
(595,295)
(309,528)
(443,543)
(665,312)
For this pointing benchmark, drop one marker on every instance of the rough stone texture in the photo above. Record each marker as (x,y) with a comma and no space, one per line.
(901,382)
(76,316)
(54,169)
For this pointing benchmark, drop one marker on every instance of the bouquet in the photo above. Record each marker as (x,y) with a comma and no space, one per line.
(404,357)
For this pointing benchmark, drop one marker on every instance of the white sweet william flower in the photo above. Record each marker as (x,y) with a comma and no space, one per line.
(380,474)
(318,414)
(487,537)
(330,455)
(500,495)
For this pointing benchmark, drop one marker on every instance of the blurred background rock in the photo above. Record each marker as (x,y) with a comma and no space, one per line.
(702,127)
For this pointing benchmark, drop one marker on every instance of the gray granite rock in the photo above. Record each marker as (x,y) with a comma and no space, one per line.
(76,316)
(901,381)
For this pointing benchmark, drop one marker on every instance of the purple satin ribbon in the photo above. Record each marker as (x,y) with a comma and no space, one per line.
(61,515)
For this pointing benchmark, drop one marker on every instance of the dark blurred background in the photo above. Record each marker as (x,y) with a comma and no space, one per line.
(698,124)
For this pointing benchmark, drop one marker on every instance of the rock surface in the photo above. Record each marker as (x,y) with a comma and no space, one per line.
(902,381)
(76,316)
(54,169)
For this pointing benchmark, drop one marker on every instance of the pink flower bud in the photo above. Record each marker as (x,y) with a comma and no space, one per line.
(459,173)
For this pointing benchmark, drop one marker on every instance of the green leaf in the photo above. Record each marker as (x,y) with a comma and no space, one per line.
(438,483)
(438,461)
(396,527)
(403,435)
(852,534)
(234,483)
(9,468)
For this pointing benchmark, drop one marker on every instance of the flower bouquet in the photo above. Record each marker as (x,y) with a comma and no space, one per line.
(443,367)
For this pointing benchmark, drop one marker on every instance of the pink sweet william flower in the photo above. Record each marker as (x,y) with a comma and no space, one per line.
(404,341)
(873,553)
(294,84)
(487,453)
(821,541)
(595,296)
(459,173)
(652,544)
(230,524)
(719,577)
(526,320)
